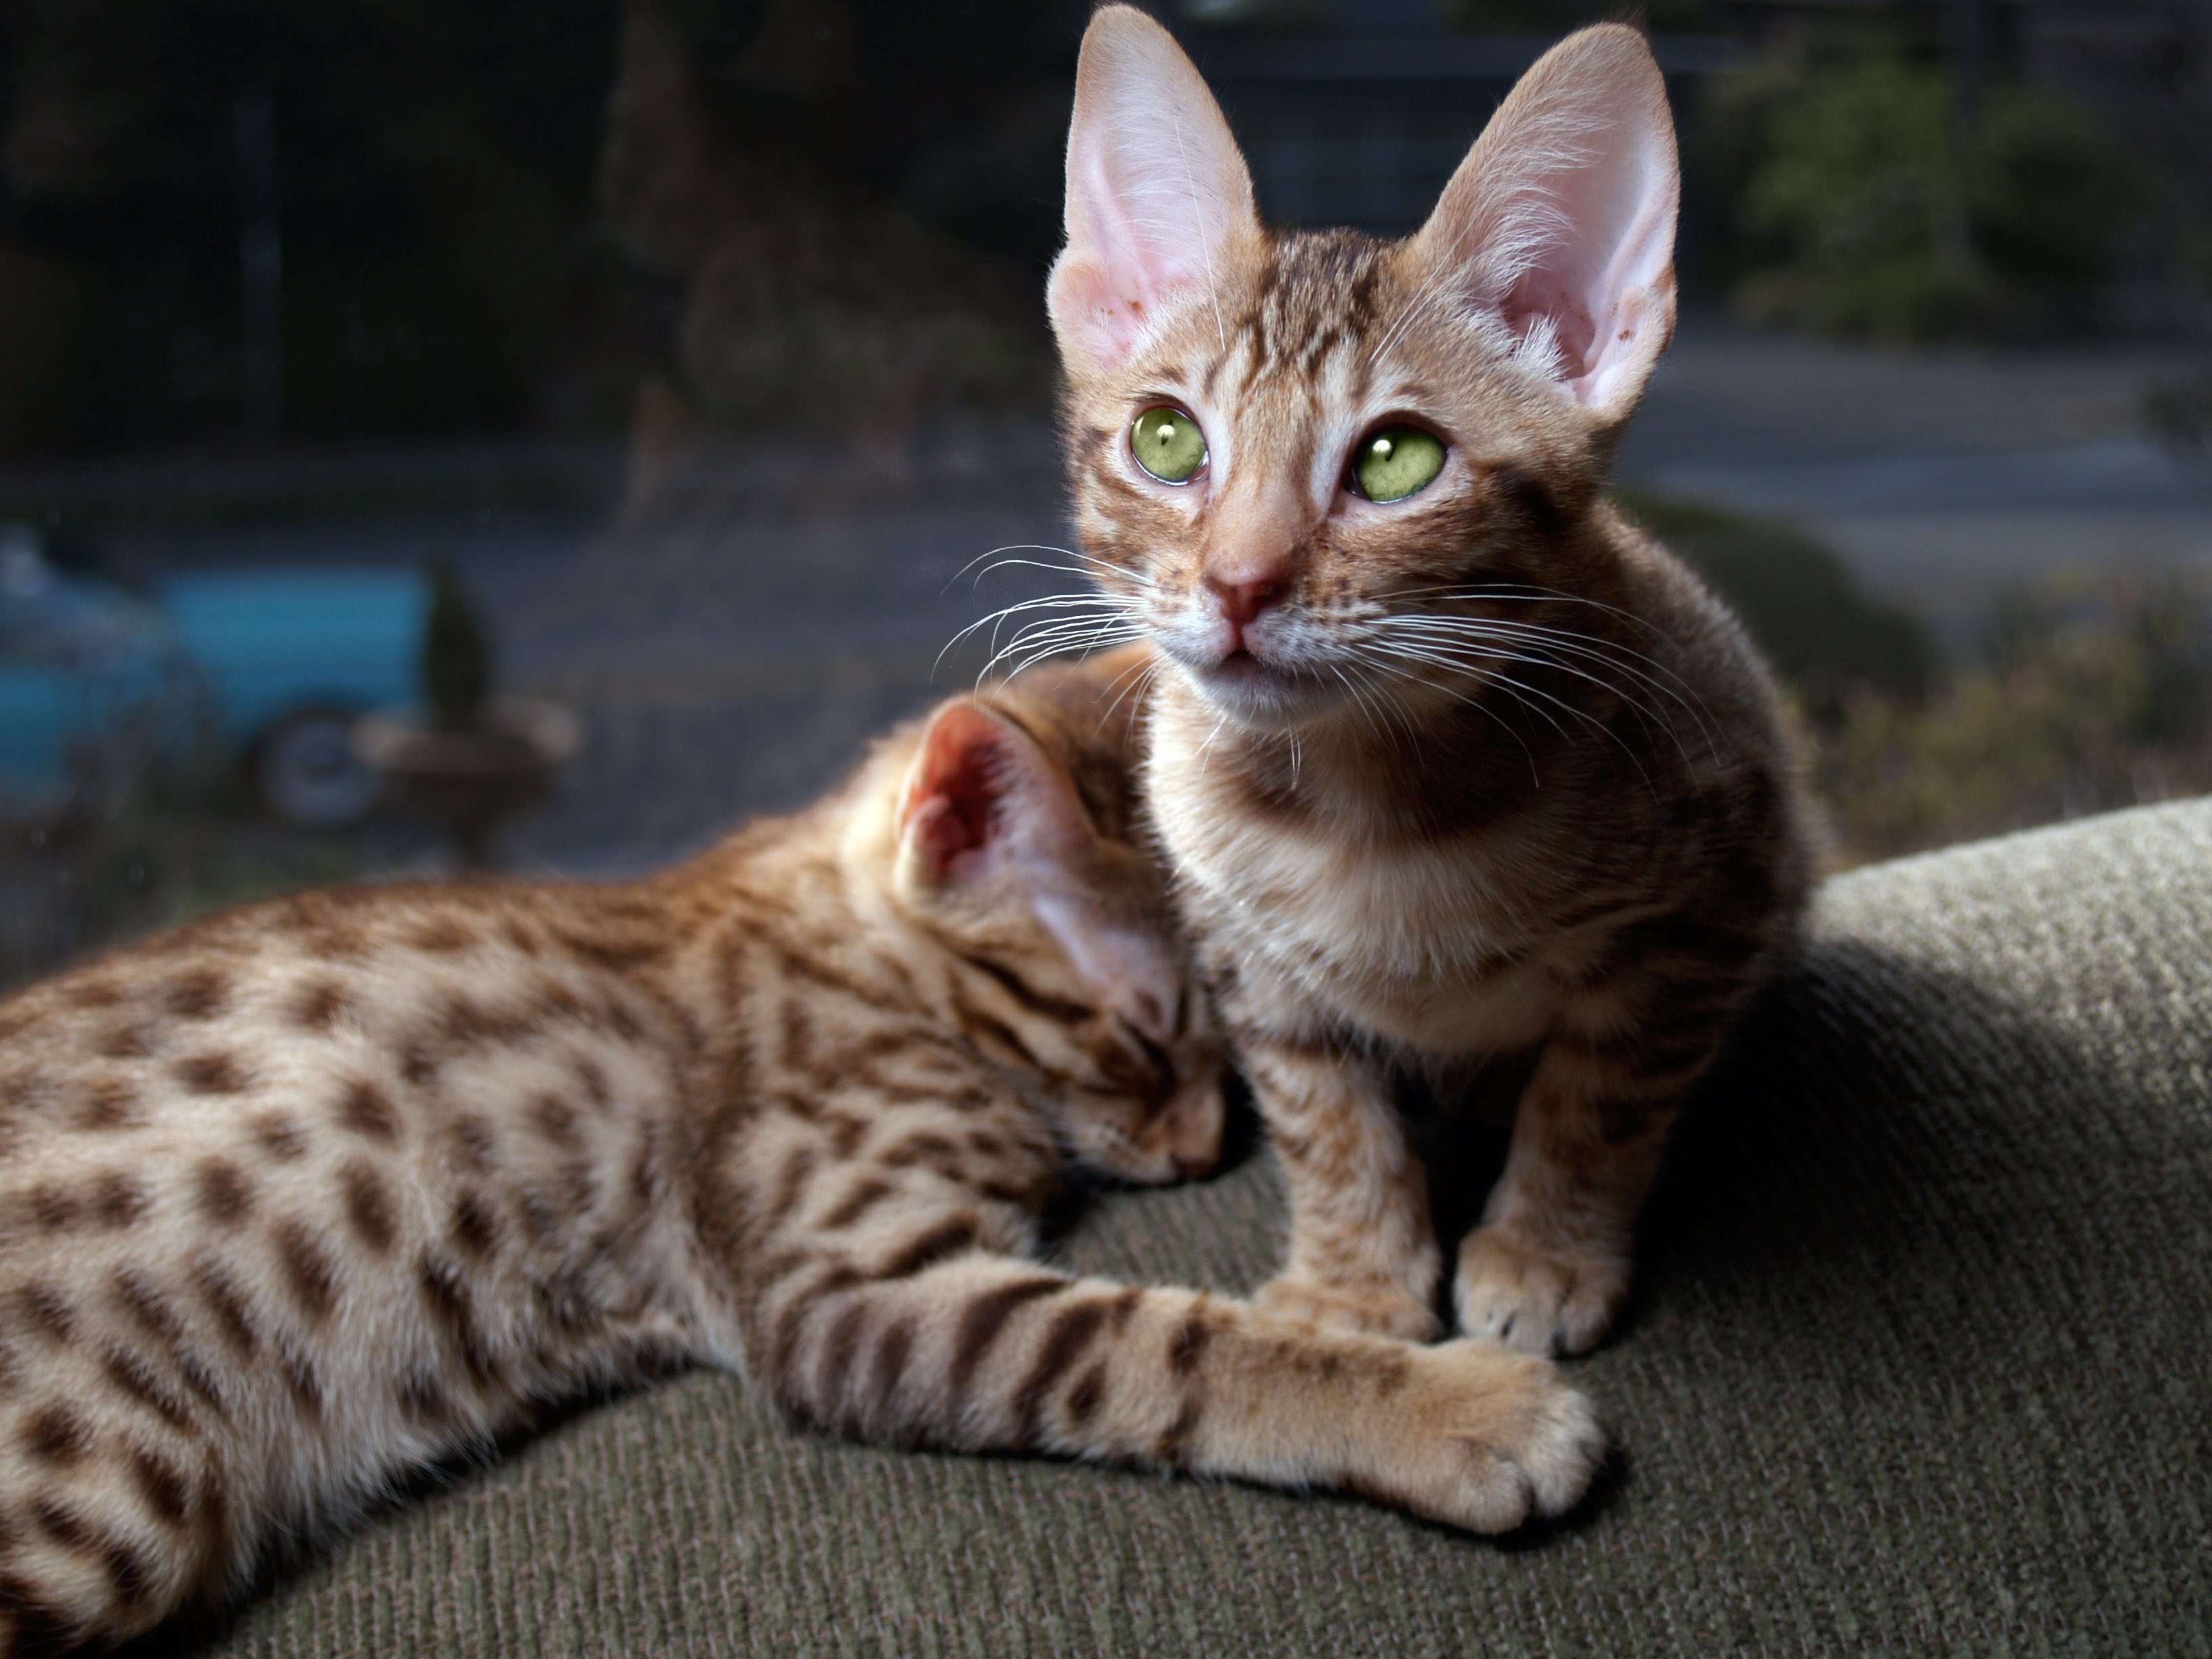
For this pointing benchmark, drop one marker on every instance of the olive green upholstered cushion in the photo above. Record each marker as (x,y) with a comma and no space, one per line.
(1920,1365)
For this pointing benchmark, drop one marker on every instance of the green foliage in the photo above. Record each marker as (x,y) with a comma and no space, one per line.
(2086,698)
(1863,207)
(2084,693)
(456,654)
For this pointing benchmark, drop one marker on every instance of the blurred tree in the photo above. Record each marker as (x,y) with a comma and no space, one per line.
(1862,206)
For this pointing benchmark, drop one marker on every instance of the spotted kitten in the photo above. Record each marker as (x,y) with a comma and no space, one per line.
(322,1190)
(1453,763)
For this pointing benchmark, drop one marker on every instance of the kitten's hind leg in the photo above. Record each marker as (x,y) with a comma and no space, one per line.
(988,1353)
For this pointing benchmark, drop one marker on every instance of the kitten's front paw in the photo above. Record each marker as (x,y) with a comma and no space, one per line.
(1485,1439)
(1372,1310)
(1540,1299)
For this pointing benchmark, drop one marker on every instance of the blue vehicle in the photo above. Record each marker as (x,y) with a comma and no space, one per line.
(272,665)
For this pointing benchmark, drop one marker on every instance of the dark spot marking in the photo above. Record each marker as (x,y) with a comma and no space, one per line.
(556,1121)
(1070,1333)
(47,1311)
(37,1625)
(617,952)
(133,1039)
(986,1317)
(320,1006)
(212,1075)
(1043,1004)
(110,1103)
(476,1228)
(226,1196)
(130,1371)
(197,993)
(54,1208)
(474,1143)
(117,1200)
(441,936)
(1087,1396)
(96,993)
(132,1577)
(161,1484)
(1187,1346)
(449,1300)
(1176,1437)
(424,1399)
(593,1080)
(368,1112)
(838,1346)
(56,1435)
(228,1305)
(890,1365)
(281,1137)
(865,1194)
(369,1206)
(416,1065)
(949,1237)
(308,1270)
(144,1303)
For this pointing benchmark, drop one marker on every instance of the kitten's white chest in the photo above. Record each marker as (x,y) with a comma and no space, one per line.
(1420,945)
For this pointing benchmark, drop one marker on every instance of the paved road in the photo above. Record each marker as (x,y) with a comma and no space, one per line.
(1938,475)
(734,656)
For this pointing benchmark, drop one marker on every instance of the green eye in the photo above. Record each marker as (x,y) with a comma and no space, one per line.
(1394,465)
(1168,444)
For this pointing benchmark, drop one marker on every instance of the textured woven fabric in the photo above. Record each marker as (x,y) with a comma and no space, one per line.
(1920,1365)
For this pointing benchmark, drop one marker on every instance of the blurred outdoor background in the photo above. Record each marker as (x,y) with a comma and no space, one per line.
(675,362)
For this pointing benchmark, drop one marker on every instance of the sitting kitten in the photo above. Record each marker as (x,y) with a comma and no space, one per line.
(1451,761)
(326,1189)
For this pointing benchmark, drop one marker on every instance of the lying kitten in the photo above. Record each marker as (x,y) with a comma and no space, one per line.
(1452,761)
(323,1190)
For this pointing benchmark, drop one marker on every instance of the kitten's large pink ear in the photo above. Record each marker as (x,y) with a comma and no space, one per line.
(1157,190)
(982,795)
(1562,217)
(985,804)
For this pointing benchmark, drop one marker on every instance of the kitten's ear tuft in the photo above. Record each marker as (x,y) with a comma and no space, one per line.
(981,791)
(1157,194)
(1561,219)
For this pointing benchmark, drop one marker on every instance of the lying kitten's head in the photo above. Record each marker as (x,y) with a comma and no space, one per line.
(1011,851)
(1291,452)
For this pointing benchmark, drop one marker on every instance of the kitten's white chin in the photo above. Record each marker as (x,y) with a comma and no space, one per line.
(1260,695)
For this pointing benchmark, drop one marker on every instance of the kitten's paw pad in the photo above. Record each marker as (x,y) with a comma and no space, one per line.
(1377,1311)
(1502,1440)
(1539,1300)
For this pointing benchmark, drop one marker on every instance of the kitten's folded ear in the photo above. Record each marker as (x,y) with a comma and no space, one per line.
(1157,194)
(983,795)
(1561,219)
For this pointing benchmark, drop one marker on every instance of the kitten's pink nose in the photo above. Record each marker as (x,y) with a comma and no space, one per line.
(1240,603)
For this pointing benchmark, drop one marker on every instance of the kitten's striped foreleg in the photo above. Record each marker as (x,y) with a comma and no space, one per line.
(989,1352)
(1362,1256)
(1548,1270)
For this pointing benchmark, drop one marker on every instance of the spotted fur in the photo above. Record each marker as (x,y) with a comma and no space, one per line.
(1477,773)
(378,1170)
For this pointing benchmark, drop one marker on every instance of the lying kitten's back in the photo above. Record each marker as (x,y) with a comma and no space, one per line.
(321,1191)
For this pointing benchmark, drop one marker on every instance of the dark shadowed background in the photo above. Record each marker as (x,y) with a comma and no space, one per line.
(699,345)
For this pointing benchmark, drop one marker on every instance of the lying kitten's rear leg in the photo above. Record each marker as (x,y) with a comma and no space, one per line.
(980,1352)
